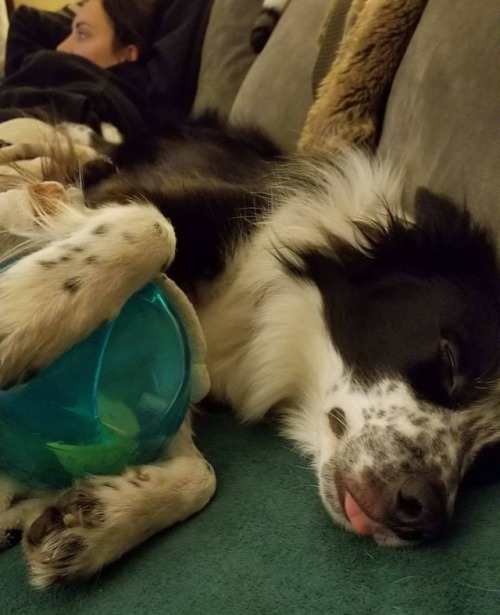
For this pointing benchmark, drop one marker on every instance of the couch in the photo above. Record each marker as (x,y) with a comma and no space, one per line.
(265,545)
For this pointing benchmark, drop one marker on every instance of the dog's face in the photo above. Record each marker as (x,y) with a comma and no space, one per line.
(420,331)
(392,464)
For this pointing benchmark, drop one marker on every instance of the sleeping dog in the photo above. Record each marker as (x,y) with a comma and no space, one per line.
(373,335)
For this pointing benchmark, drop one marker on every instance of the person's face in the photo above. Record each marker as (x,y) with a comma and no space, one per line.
(92,37)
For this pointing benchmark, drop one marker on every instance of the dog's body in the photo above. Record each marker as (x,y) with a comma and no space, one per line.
(373,337)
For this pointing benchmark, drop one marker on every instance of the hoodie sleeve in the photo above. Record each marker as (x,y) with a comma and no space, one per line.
(32,30)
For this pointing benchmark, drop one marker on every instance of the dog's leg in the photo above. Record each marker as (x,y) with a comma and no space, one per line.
(100,519)
(28,151)
(57,295)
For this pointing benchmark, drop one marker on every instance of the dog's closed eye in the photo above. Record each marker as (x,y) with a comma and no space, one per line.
(449,359)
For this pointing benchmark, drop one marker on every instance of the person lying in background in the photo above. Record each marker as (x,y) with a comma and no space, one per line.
(105,32)
(131,63)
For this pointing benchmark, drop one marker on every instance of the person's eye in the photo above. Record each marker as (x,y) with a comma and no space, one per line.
(81,33)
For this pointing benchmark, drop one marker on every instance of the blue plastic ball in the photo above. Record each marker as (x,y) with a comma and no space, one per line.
(112,400)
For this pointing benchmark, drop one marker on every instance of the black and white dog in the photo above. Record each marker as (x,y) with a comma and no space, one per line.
(374,336)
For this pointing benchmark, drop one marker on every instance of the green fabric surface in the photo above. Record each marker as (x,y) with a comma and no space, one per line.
(265,546)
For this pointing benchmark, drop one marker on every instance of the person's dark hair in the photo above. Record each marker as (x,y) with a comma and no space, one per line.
(133,21)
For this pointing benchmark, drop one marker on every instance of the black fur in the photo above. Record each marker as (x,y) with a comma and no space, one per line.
(205,145)
(408,302)
(208,224)
(206,177)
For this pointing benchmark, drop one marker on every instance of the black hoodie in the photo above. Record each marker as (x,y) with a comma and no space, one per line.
(133,96)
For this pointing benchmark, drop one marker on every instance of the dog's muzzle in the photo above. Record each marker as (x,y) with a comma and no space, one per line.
(411,508)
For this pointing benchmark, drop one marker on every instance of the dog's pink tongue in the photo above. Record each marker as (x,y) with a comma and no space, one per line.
(357,518)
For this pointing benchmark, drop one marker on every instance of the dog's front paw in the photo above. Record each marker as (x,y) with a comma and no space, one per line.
(55,297)
(32,329)
(100,519)
(62,543)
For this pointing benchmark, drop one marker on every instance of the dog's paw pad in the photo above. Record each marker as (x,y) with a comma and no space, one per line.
(80,507)
(9,538)
(59,544)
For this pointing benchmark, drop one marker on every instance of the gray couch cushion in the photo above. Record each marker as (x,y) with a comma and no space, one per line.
(226,55)
(443,113)
(277,91)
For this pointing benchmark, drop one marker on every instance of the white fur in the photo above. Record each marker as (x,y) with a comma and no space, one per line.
(136,241)
(251,321)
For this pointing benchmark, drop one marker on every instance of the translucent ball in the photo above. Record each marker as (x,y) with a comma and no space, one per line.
(112,400)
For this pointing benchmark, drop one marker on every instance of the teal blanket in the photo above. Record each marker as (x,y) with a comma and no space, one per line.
(265,546)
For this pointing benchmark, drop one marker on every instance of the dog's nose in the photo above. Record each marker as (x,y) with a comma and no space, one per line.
(418,508)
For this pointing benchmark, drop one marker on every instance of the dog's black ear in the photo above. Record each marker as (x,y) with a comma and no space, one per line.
(433,210)
(449,235)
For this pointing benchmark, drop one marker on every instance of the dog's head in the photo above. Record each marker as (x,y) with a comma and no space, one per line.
(394,463)
(417,322)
